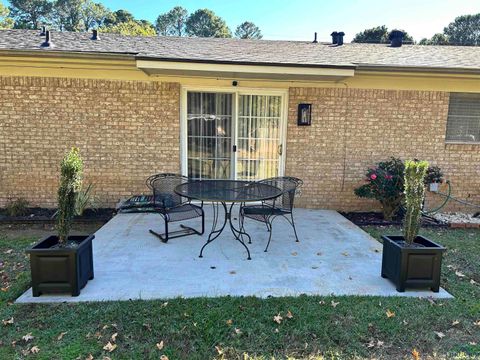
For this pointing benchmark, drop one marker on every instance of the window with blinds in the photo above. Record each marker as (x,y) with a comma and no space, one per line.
(463,123)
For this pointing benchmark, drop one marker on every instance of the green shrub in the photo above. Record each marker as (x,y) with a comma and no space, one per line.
(415,172)
(384,183)
(71,170)
(85,199)
(18,207)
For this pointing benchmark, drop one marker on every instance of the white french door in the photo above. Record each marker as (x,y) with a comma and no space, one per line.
(232,135)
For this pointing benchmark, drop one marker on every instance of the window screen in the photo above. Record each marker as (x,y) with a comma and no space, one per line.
(463,123)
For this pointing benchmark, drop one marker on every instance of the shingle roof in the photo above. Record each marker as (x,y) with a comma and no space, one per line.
(295,53)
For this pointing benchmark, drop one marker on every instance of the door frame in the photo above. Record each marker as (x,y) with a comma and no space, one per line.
(283,93)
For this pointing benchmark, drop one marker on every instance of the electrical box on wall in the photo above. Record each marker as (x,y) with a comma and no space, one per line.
(304,115)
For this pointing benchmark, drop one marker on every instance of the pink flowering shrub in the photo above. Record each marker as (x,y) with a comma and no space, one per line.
(384,182)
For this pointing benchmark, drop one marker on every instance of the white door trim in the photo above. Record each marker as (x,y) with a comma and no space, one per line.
(236,92)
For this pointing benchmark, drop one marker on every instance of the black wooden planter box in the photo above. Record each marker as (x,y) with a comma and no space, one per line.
(412,267)
(61,270)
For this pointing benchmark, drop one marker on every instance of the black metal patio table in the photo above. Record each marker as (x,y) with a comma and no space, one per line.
(223,192)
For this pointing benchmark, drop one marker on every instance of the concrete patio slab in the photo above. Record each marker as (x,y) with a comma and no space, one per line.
(334,256)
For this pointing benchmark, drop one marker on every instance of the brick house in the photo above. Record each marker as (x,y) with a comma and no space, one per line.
(227,108)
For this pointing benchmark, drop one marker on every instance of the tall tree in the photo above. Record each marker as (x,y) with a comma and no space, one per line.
(437,39)
(68,15)
(248,30)
(131,27)
(204,23)
(378,35)
(117,17)
(30,14)
(94,15)
(173,22)
(5,21)
(464,30)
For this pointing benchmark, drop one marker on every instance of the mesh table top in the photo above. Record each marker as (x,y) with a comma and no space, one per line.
(227,190)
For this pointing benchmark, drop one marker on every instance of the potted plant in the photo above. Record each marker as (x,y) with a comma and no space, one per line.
(63,263)
(411,260)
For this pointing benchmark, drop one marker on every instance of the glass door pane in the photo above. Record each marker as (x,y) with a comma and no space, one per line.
(258,133)
(209,135)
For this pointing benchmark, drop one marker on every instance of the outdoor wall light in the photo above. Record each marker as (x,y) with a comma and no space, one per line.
(304,115)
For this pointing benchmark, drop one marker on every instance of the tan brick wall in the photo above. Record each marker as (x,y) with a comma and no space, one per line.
(354,128)
(125,130)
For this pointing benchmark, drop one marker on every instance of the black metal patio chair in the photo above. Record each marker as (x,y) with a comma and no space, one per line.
(173,207)
(271,209)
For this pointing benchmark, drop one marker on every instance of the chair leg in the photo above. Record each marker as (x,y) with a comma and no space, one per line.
(294,229)
(164,237)
(270,236)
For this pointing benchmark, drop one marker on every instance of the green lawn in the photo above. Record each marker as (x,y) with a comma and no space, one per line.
(244,328)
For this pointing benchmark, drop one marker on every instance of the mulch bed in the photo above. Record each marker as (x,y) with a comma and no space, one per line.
(376,219)
(46,216)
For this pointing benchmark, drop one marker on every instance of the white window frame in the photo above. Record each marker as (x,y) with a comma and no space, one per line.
(283,93)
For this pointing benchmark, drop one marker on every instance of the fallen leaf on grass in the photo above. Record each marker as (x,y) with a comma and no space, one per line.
(110,347)
(473,282)
(8,322)
(276,330)
(147,326)
(114,337)
(321,302)
(473,343)
(334,304)
(477,323)
(164,304)
(28,337)
(390,314)
(439,334)
(229,322)
(455,322)
(219,350)
(415,354)
(35,350)
(289,314)
(405,322)
(238,331)
(105,327)
(9,251)
(459,274)
(160,345)
(89,357)
(164,357)
(277,318)
(62,334)
(4,289)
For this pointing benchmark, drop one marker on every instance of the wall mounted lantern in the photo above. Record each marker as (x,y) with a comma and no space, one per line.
(304,115)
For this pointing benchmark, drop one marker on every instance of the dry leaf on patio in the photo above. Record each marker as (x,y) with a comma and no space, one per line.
(345,253)
(8,322)
(294,253)
(289,314)
(455,322)
(319,253)
(389,313)
(219,350)
(415,354)
(459,274)
(28,337)
(61,335)
(35,350)
(334,304)
(233,272)
(277,318)
(229,322)
(110,347)
(160,345)
(439,334)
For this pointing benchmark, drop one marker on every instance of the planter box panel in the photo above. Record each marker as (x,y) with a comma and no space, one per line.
(54,269)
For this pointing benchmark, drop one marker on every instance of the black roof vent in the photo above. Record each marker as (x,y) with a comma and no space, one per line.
(315,39)
(44,28)
(334,36)
(396,38)
(340,35)
(95,35)
(48,40)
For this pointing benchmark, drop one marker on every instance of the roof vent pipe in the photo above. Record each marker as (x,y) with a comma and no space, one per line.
(95,35)
(396,38)
(334,36)
(340,36)
(48,40)
(44,28)
(315,39)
